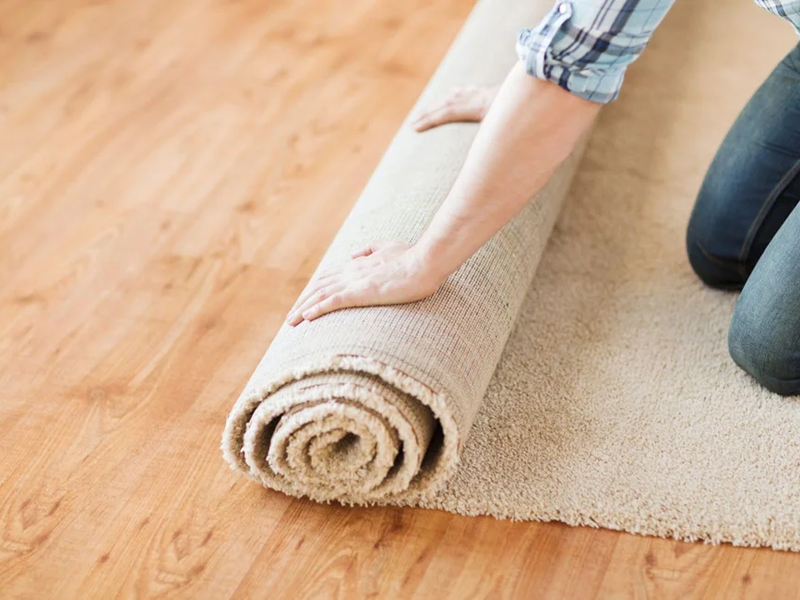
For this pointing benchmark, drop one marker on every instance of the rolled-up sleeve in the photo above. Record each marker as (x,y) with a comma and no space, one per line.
(585,46)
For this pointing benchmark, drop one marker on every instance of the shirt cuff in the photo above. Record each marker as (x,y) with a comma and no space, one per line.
(544,51)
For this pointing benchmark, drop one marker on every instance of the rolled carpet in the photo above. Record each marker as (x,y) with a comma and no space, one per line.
(372,404)
(575,372)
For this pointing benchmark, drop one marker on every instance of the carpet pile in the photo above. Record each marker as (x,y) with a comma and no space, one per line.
(573,369)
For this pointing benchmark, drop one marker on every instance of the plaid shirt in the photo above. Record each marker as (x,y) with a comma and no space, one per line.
(585,45)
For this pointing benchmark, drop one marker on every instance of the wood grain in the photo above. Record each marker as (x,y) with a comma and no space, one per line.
(170,174)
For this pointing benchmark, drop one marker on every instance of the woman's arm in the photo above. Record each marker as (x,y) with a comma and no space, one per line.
(577,56)
(532,126)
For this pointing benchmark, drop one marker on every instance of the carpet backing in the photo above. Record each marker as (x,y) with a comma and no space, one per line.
(573,369)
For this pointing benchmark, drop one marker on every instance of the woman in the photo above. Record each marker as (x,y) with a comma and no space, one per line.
(744,232)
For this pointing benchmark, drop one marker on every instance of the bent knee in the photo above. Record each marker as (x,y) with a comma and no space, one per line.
(770,355)
(713,268)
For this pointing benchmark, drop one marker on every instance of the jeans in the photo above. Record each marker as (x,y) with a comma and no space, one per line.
(744,231)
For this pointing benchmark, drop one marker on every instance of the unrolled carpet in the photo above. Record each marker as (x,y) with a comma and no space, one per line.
(576,373)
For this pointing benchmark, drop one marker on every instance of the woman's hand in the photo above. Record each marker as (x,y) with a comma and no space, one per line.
(532,127)
(463,104)
(381,273)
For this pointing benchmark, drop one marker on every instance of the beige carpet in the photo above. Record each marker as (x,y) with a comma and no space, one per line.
(596,390)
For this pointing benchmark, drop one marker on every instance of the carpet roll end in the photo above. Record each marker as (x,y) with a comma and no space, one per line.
(353,431)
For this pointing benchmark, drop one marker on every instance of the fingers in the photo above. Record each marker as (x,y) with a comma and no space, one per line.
(367,250)
(328,300)
(335,302)
(311,289)
(327,277)
(325,289)
(461,104)
(435,117)
(320,295)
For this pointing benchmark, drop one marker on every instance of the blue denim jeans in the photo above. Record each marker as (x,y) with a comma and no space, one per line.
(744,232)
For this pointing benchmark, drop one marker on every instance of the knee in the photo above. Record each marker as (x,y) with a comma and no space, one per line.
(715,234)
(765,350)
(709,263)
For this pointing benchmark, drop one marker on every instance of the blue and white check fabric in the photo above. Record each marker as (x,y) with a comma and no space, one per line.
(585,46)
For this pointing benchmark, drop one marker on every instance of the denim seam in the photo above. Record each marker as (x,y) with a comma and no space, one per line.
(759,220)
(715,259)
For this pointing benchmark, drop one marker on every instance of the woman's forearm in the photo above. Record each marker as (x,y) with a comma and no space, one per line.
(532,126)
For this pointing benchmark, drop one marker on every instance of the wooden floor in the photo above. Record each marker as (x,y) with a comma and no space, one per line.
(170,174)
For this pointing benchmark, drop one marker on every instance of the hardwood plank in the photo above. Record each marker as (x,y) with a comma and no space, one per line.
(170,174)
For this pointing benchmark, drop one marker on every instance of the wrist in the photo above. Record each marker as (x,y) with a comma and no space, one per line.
(431,262)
